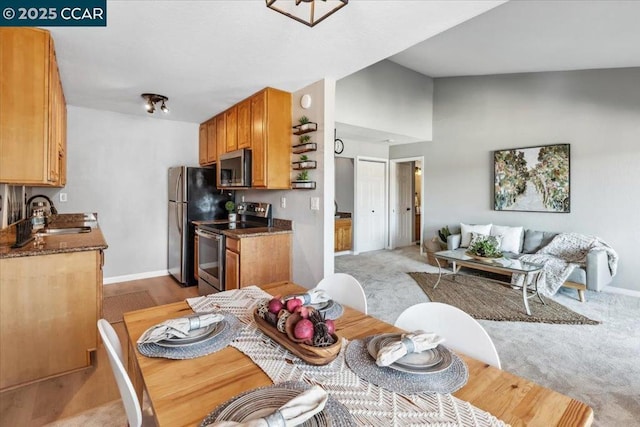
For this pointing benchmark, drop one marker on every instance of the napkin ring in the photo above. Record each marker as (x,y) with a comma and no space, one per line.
(194,323)
(276,419)
(408,344)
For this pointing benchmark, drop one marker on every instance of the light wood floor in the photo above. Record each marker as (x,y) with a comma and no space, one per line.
(46,401)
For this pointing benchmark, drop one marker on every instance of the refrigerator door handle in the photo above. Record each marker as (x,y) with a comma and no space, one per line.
(179,217)
(179,197)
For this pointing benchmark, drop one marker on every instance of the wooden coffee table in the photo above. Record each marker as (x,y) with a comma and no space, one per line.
(458,258)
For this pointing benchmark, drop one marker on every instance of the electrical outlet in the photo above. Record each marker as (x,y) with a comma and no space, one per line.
(63,197)
(283,202)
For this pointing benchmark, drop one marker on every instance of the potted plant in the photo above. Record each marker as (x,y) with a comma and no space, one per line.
(230,206)
(304,139)
(443,233)
(304,122)
(303,176)
(485,248)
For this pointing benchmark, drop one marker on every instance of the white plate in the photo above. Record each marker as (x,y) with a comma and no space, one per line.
(426,362)
(196,336)
(262,402)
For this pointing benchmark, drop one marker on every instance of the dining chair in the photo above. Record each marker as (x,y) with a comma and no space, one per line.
(127,392)
(460,331)
(345,289)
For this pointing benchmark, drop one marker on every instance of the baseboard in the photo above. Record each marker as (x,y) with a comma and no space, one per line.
(130,277)
(342,253)
(622,291)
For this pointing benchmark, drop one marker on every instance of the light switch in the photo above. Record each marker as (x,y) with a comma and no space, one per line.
(283,202)
(315,203)
(63,197)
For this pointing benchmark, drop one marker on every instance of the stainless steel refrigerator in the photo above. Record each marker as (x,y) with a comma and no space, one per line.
(193,196)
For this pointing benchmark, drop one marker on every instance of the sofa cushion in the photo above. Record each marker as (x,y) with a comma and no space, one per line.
(512,237)
(466,229)
(536,240)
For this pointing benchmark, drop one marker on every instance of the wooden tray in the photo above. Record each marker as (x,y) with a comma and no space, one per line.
(311,355)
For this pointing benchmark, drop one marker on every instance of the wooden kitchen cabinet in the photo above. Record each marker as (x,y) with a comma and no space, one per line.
(212,142)
(202,144)
(231,129)
(244,124)
(34,117)
(257,260)
(271,139)
(342,235)
(49,307)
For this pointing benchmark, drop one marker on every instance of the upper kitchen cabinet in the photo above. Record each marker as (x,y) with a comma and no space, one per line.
(244,124)
(34,113)
(271,139)
(212,141)
(202,144)
(231,130)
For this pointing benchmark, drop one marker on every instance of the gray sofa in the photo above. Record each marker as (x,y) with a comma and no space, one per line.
(595,275)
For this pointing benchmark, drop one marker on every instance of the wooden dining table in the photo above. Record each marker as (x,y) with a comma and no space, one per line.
(183,392)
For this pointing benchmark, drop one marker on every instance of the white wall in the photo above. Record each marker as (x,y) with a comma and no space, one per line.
(388,97)
(117,166)
(596,111)
(313,230)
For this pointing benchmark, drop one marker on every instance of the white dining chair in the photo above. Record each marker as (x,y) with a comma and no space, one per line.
(345,289)
(127,392)
(460,331)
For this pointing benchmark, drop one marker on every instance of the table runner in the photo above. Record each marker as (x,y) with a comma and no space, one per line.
(368,404)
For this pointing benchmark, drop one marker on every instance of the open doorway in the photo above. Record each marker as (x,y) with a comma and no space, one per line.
(406,198)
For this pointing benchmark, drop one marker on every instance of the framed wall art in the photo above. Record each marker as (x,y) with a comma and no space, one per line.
(532,179)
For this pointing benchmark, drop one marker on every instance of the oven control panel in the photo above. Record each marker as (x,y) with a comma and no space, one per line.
(256,209)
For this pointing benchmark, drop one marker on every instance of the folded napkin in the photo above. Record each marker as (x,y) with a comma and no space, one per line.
(179,327)
(413,342)
(293,413)
(312,296)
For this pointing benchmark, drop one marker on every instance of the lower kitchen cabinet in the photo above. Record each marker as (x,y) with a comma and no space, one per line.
(49,306)
(342,236)
(257,259)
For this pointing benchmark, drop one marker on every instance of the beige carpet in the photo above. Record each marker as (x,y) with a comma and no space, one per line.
(115,306)
(484,299)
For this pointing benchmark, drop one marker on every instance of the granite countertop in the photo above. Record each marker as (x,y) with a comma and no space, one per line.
(343,215)
(280,226)
(55,244)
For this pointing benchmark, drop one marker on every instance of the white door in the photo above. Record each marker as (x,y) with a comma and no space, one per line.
(403,211)
(371,224)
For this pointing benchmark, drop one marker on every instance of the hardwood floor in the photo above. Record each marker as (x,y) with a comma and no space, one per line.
(46,401)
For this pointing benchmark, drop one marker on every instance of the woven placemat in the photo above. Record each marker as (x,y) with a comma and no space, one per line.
(114,307)
(489,300)
(446,381)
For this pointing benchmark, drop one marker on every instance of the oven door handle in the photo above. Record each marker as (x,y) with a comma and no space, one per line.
(208,235)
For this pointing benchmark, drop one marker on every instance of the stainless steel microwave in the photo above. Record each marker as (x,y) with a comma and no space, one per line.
(235,168)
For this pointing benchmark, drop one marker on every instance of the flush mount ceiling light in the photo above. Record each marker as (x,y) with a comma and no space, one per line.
(152,99)
(309,12)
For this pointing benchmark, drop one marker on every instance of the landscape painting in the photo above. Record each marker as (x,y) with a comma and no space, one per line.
(532,179)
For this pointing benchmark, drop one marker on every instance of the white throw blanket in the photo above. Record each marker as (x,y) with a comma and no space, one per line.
(564,253)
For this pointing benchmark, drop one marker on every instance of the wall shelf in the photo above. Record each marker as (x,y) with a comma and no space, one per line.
(303,185)
(305,128)
(304,148)
(306,164)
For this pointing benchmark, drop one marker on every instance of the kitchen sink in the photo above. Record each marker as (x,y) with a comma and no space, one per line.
(64,230)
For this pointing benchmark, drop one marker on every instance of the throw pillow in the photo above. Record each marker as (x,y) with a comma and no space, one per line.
(477,237)
(467,229)
(512,237)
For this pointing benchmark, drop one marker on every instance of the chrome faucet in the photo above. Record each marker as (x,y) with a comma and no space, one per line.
(54,211)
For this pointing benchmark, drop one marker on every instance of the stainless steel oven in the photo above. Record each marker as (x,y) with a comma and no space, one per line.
(211,253)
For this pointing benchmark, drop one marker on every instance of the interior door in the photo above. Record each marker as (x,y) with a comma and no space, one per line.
(403,211)
(371,224)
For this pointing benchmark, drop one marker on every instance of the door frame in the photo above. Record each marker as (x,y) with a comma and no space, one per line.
(356,173)
(393,196)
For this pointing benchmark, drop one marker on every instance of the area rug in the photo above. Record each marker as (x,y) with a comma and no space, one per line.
(484,299)
(115,306)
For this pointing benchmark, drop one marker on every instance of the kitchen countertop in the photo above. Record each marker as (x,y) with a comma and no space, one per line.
(281,226)
(55,244)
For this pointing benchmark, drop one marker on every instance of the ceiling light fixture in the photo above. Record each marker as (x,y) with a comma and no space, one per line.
(152,99)
(309,12)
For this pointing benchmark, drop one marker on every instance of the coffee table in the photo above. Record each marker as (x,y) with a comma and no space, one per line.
(459,259)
